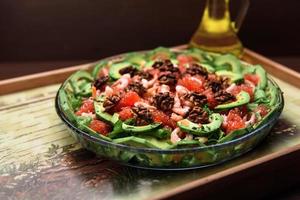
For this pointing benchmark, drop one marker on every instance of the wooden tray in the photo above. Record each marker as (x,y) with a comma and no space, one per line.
(40,160)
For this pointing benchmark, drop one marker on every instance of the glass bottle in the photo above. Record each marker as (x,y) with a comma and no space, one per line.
(216,32)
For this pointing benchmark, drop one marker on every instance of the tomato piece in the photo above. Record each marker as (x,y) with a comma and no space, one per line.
(234,121)
(161,117)
(125,113)
(262,110)
(181,68)
(194,84)
(184,59)
(86,107)
(252,78)
(237,89)
(128,100)
(100,127)
(210,98)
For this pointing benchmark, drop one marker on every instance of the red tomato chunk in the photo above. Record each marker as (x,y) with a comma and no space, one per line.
(252,78)
(128,100)
(192,83)
(125,113)
(86,107)
(234,122)
(100,127)
(161,117)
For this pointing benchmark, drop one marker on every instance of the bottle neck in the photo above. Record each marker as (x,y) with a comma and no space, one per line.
(216,17)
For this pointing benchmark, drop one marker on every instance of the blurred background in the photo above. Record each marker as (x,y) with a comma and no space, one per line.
(40,35)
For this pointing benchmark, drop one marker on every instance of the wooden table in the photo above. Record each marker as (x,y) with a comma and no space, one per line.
(39,159)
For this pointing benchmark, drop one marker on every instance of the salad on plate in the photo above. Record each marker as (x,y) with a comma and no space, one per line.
(169,99)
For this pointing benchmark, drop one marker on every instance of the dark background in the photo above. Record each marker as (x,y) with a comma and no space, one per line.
(39,35)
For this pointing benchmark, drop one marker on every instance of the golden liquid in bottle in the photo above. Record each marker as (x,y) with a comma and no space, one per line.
(216,32)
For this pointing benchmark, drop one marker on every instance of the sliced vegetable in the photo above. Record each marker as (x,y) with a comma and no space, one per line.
(115,68)
(139,129)
(241,99)
(202,130)
(234,77)
(230,61)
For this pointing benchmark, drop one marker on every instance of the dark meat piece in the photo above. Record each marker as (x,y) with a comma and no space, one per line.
(163,101)
(136,87)
(196,69)
(223,97)
(145,75)
(111,101)
(217,84)
(168,79)
(157,64)
(198,115)
(100,82)
(142,115)
(165,65)
(129,70)
(196,98)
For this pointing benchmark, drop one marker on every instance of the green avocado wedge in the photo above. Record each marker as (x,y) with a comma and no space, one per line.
(241,99)
(115,68)
(98,67)
(135,58)
(229,60)
(139,129)
(160,52)
(204,129)
(100,113)
(262,74)
(143,141)
(234,77)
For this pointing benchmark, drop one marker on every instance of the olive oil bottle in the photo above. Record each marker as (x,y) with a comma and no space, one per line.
(216,32)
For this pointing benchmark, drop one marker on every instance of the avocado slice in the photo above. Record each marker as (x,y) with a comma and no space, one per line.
(98,67)
(234,77)
(144,141)
(135,58)
(186,143)
(262,74)
(241,99)
(101,114)
(208,67)
(116,67)
(248,69)
(195,53)
(202,130)
(160,52)
(159,133)
(229,60)
(201,55)
(114,118)
(139,129)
